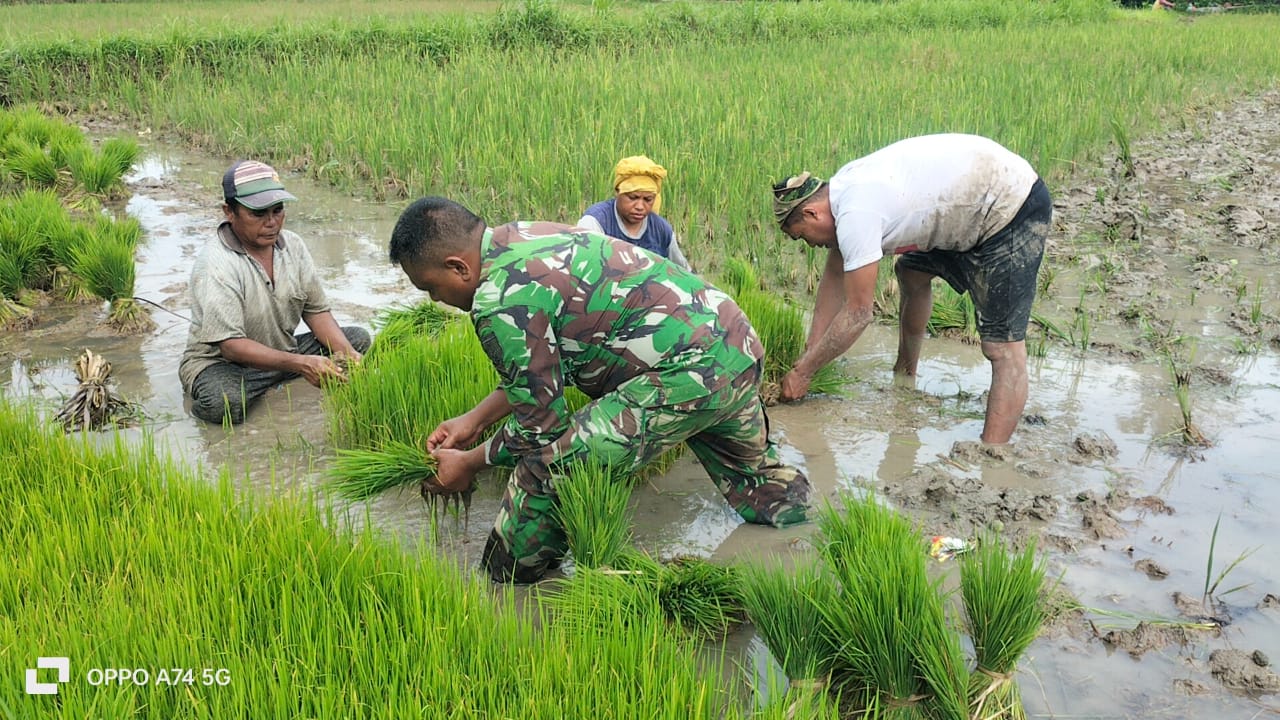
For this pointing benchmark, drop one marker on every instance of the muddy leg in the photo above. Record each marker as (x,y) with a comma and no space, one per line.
(914,309)
(1008,395)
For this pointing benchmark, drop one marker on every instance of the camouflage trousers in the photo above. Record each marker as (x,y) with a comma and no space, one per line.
(727,431)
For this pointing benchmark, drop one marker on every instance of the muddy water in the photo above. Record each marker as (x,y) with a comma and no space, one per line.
(1124,511)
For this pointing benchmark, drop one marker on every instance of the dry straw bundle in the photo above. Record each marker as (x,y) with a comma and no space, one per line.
(94,406)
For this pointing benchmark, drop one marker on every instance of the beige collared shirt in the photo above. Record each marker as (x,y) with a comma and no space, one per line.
(231,297)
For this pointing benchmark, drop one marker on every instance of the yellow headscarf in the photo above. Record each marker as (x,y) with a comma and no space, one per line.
(639,173)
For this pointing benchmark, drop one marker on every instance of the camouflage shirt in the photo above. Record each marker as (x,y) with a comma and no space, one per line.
(560,306)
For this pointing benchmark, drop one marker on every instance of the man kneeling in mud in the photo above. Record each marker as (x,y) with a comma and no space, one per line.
(664,357)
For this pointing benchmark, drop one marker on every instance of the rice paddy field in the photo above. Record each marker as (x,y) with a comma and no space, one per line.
(189,570)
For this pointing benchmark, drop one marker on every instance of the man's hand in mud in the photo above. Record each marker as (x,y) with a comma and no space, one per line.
(794,386)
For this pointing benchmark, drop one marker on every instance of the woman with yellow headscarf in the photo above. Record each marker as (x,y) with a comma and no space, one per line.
(632,214)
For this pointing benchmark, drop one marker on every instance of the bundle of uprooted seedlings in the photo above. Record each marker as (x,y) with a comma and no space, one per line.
(13,316)
(785,606)
(359,474)
(592,508)
(1003,605)
(94,405)
(105,262)
(397,324)
(896,652)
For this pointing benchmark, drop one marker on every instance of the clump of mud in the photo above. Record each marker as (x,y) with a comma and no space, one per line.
(1244,670)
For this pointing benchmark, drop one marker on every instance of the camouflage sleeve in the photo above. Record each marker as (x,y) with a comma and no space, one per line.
(524,349)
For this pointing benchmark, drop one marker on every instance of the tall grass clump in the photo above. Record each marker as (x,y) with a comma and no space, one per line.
(896,650)
(107,542)
(1003,601)
(786,608)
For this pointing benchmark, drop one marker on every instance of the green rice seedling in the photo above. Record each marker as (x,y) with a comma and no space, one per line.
(897,651)
(21,242)
(109,541)
(737,276)
(1124,154)
(1211,582)
(1180,373)
(592,508)
(13,316)
(30,164)
(359,474)
(92,172)
(397,323)
(785,606)
(781,329)
(596,599)
(405,392)
(700,596)
(953,311)
(1003,606)
(105,263)
(120,154)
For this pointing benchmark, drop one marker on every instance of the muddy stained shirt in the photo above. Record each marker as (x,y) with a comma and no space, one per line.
(232,298)
(560,306)
(934,192)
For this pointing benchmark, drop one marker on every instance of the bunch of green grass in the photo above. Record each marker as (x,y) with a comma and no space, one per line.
(1003,606)
(785,606)
(592,508)
(106,265)
(896,651)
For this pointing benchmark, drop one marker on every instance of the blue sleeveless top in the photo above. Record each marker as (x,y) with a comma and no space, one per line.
(657,233)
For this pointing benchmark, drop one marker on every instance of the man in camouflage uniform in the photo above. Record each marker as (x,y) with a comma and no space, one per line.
(664,357)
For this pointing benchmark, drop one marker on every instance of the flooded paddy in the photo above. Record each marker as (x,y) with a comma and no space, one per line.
(1124,510)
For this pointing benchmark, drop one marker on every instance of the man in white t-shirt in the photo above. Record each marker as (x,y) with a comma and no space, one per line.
(959,207)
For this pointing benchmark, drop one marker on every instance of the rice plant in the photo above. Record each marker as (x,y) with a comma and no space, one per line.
(13,316)
(1180,373)
(364,473)
(400,395)
(398,323)
(782,331)
(1211,582)
(105,262)
(897,650)
(1003,605)
(953,312)
(30,164)
(592,509)
(701,596)
(785,606)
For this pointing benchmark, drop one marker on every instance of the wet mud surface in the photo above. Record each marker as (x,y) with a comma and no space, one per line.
(1162,272)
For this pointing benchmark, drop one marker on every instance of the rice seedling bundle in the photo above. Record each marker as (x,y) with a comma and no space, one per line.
(1002,593)
(401,395)
(591,505)
(952,311)
(896,650)
(13,316)
(785,606)
(30,164)
(396,324)
(106,265)
(701,596)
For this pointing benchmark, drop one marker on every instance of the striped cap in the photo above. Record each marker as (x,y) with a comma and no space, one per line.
(254,185)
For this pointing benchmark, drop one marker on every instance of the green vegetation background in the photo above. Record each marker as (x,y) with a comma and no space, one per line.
(522,111)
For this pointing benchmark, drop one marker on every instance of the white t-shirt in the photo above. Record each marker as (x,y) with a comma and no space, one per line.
(934,192)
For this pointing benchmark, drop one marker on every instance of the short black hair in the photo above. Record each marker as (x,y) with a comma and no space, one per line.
(430,228)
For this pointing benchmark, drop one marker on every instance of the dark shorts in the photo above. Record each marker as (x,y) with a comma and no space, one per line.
(1000,272)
